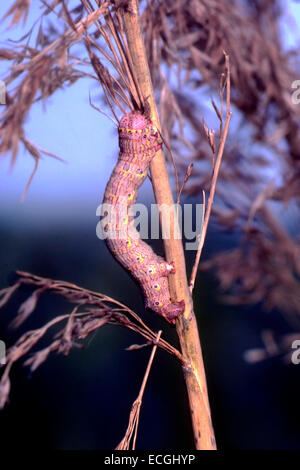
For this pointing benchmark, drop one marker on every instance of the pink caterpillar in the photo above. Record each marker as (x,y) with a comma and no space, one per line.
(138,141)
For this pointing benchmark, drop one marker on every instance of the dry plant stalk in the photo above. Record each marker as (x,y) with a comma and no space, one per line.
(210,138)
(186,326)
(131,432)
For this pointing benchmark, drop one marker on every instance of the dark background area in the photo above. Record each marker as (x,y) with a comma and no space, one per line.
(83,401)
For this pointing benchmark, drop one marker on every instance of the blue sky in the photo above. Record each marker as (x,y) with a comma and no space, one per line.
(87,140)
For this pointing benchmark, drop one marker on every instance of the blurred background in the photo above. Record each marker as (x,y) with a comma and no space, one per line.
(83,401)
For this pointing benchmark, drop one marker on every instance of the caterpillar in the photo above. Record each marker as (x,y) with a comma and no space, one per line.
(138,142)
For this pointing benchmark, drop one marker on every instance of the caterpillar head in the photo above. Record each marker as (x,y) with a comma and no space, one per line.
(169,311)
(173,311)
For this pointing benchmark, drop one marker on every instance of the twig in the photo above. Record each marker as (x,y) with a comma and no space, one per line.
(216,169)
(101,111)
(134,416)
(187,176)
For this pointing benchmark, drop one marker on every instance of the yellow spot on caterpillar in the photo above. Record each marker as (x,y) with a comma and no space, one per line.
(141,175)
(128,172)
(152,269)
(129,242)
(148,143)
(140,258)
(125,222)
(156,286)
(130,196)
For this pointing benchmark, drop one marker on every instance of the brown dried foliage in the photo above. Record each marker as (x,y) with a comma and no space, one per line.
(259,176)
(96,310)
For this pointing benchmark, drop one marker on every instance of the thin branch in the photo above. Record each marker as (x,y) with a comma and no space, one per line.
(216,169)
(134,417)
(124,61)
(101,111)
(186,178)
